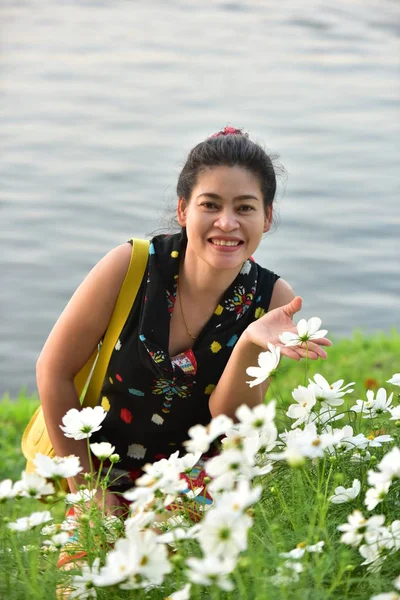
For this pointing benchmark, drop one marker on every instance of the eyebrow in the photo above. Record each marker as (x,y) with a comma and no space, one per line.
(217,197)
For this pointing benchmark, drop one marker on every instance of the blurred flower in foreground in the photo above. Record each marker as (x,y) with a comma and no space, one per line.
(306,330)
(33,485)
(25,523)
(342,494)
(80,424)
(57,467)
(267,364)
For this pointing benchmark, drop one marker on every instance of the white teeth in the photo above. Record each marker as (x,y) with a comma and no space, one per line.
(225,243)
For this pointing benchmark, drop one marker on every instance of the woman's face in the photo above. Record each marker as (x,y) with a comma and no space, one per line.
(225,217)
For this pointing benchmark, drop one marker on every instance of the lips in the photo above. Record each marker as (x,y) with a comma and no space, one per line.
(225,242)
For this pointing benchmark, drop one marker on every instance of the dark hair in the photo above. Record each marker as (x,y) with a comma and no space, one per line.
(230,147)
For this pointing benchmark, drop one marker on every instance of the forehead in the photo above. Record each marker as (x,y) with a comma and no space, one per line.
(227,180)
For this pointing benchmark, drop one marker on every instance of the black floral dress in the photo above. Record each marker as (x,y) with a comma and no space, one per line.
(152,399)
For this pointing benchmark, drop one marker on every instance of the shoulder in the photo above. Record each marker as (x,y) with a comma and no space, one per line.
(282,294)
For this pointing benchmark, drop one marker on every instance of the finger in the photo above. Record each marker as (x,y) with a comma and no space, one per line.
(293,307)
(323,342)
(312,347)
(290,353)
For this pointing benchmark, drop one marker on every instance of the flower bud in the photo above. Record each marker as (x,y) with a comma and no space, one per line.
(85,518)
(206,479)
(338,478)
(373,460)
(114,458)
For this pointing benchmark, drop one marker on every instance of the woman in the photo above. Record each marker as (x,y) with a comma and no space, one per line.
(203,314)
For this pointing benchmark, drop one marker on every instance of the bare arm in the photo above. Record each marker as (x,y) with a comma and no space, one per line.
(72,341)
(232,389)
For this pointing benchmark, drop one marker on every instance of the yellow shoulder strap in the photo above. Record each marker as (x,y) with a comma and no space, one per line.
(129,289)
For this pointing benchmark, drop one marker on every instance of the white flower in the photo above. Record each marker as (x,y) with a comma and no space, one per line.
(267,365)
(137,560)
(83,585)
(102,450)
(346,494)
(201,437)
(395,380)
(257,418)
(306,400)
(373,556)
(396,583)
(211,570)
(58,540)
(81,496)
(183,594)
(376,442)
(306,330)
(395,412)
(80,424)
(386,596)
(353,529)
(287,573)
(223,533)
(185,463)
(25,523)
(373,407)
(33,485)
(349,441)
(389,468)
(300,550)
(6,489)
(376,494)
(333,393)
(57,467)
(239,499)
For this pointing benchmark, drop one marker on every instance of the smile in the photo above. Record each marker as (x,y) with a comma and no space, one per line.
(217,242)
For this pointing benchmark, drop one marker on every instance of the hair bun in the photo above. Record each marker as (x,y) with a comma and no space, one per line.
(229,131)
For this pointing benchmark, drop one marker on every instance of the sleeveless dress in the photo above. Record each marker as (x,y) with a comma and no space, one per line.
(152,399)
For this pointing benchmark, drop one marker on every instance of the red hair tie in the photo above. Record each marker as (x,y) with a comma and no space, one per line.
(229,131)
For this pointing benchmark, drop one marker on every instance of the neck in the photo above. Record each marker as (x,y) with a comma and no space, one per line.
(202,280)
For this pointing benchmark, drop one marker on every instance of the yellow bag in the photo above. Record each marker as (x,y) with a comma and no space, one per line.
(89,380)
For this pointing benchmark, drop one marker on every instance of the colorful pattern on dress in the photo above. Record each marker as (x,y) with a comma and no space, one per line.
(152,399)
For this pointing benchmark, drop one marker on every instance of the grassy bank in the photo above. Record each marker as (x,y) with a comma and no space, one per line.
(294,512)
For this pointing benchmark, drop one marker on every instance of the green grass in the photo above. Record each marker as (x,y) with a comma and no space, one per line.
(291,510)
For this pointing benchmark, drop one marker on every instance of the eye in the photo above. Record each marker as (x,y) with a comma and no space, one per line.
(246,208)
(209,205)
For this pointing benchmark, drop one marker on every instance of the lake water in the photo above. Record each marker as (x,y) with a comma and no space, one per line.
(101,101)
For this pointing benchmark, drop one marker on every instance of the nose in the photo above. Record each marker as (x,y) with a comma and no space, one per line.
(227,221)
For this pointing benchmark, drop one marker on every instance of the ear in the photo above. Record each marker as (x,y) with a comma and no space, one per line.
(181,212)
(268,219)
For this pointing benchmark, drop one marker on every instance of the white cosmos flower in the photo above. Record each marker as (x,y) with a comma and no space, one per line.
(102,450)
(306,400)
(347,440)
(376,442)
(358,526)
(306,330)
(32,485)
(224,533)
(81,496)
(343,494)
(183,594)
(6,489)
(211,570)
(287,573)
(25,523)
(57,467)
(83,585)
(376,494)
(240,498)
(80,424)
(202,437)
(256,418)
(58,540)
(389,468)
(300,550)
(395,380)
(333,393)
(395,412)
(373,406)
(267,365)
